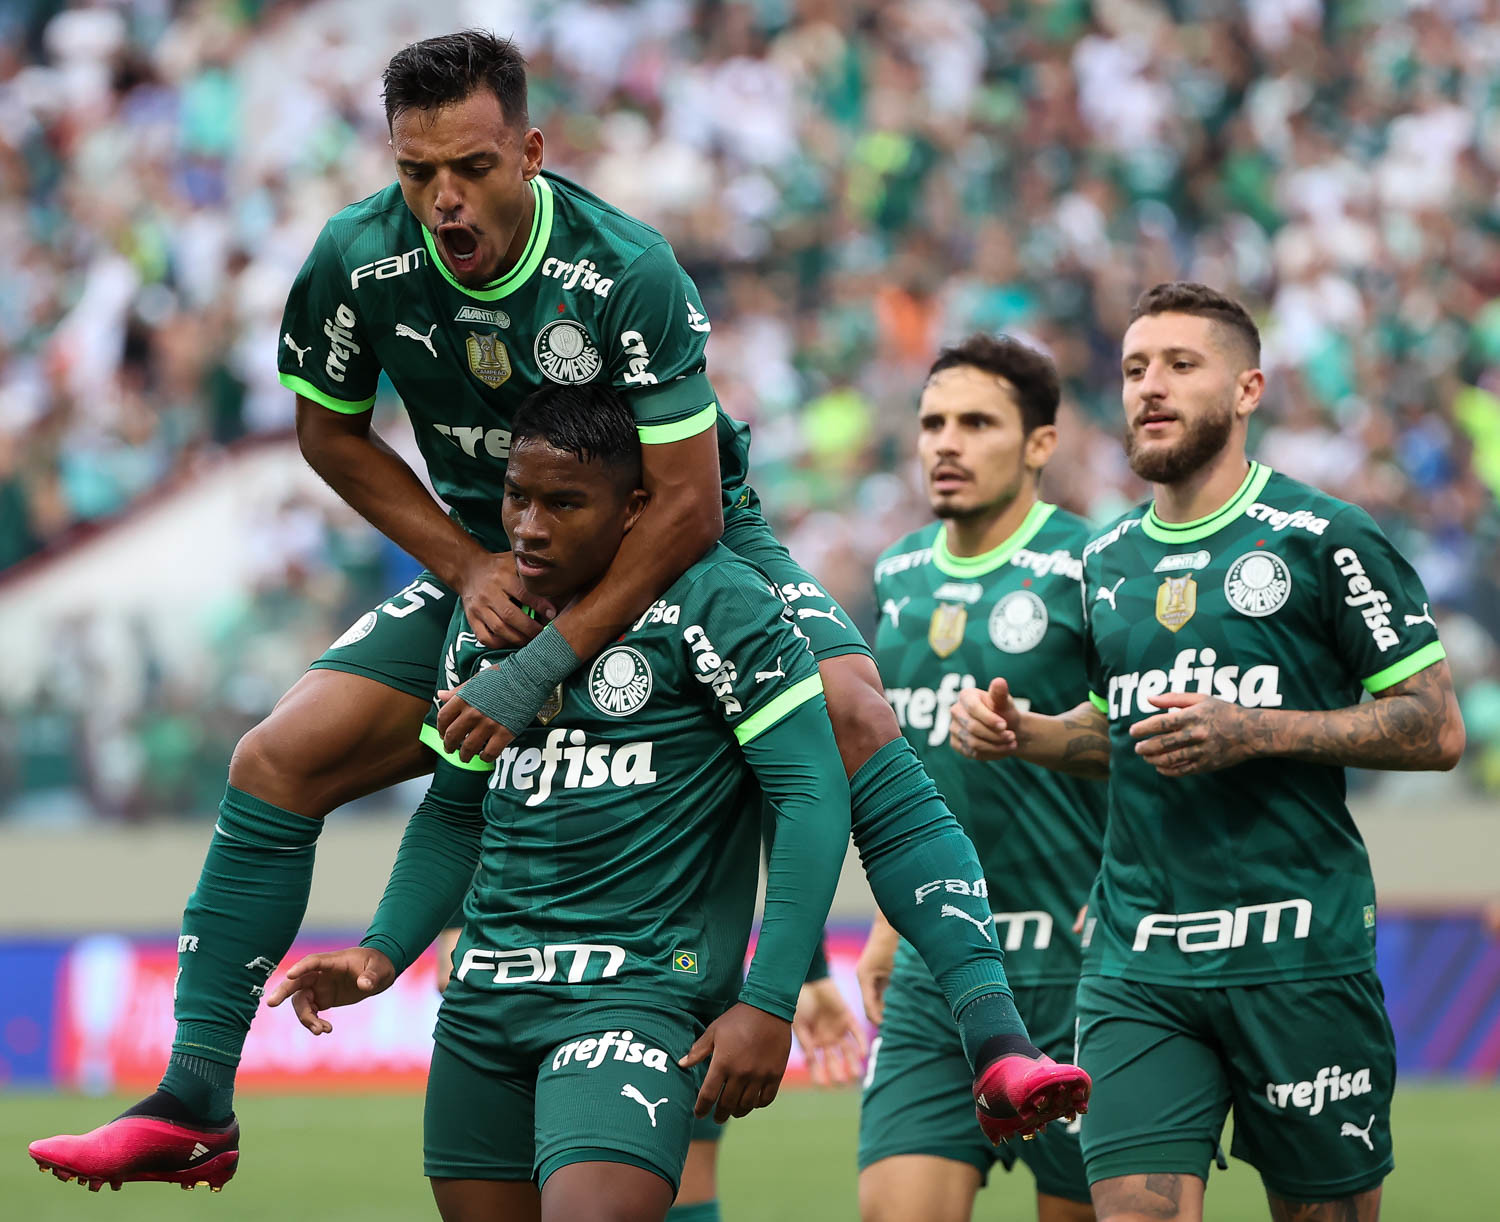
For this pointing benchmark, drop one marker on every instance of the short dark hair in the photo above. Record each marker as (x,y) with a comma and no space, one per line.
(440,71)
(1189,297)
(589,421)
(1032,373)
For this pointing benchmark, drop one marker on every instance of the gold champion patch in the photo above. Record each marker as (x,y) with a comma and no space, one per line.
(1176,600)
(488,359)
(946,632)
(551,707)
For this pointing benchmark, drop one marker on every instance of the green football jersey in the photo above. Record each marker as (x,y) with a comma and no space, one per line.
(1284,598)
(950,622)
(597,294)
(621,846)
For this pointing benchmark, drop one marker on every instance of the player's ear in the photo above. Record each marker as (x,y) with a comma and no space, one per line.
(635,505)
(1041,444)
(531,153)
(1250,385)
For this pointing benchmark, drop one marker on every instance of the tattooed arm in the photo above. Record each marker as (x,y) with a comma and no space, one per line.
(988,724)
(1413,725)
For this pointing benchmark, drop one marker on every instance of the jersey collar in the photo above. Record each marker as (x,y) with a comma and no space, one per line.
(976,566)
(1200,528)
(531,257)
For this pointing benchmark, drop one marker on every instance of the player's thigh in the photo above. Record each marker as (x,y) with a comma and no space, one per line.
(1158,1196)
(477,1122)
(349,726)
(486,1201)
(1055,1156)
(918,1188)
(609,1090)
(916,1099)
(700,1173)
(1161,1092)
(1313,1069)
(605,1191)
(1362,1207)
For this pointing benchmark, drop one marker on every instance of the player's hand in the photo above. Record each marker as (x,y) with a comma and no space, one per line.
(831,1037)
(1195,733)
(468,731)
(338,978)
(492,597)
(873,971)
(1083,915)
(746,1050)
(985,722)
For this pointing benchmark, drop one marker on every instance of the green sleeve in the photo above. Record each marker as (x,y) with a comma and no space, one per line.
(818,968)
(323,352)
(797,764)
(1381,617)
(654,341)
(434,866)
(1093,668)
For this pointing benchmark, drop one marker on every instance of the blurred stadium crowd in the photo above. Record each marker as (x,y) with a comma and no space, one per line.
(851,185)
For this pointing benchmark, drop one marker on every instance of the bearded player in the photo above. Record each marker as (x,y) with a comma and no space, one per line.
(1233,624)
(471,281)
(994,586)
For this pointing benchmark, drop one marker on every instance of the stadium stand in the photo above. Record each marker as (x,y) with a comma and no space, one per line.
(851,184)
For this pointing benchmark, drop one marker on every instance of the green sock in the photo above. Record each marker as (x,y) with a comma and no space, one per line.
(702,1211)
(923,869)
(239,922)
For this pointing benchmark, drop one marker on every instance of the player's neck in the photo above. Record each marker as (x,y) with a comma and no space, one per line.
(1206,489)
(517,248)
(975,536)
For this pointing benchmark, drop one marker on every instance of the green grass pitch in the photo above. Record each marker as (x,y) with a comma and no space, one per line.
(357,1158)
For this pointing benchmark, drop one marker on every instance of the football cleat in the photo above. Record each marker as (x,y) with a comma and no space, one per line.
(143,1149)
(1018,1094)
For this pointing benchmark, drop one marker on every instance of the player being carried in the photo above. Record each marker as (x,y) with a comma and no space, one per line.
(1233,624)
(471,281)
(618,845)
(994,586)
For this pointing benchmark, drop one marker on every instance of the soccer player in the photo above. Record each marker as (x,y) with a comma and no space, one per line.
(471,281)
(618,846)
(995,586)
(1233,624)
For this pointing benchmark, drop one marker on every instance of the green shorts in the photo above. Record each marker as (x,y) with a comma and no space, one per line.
(515,1092)
(400,642)
(1308,1067)
(917,1093)
(815,612)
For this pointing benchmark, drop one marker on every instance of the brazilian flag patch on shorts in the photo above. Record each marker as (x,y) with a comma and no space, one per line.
(685,961)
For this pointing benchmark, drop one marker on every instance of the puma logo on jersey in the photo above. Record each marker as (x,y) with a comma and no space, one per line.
(1331,1084)
(1373,605)
(261,964)
(1109,594)
(299,353)
(696,319)
(765,676)
(1350,1129)
(629,1092)
(1425,618)
(893,608)
(405,332)
(948,910)
(1259,687)
(814,613)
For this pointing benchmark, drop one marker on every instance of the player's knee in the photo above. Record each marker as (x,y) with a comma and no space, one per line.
(862,720)
(1149,1198)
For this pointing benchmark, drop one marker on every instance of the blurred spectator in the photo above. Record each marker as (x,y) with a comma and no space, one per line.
(852,184)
